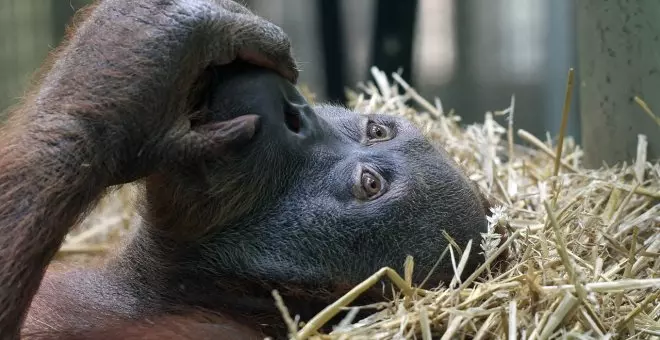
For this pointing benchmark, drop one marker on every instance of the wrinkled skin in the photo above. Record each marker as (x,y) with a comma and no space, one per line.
(119,101)
(289,211)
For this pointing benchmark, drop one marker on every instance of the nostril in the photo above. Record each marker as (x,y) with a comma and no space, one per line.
(292,120)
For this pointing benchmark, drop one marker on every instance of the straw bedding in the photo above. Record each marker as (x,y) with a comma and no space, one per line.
(583,247)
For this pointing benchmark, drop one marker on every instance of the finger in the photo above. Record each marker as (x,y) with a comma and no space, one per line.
(231,133)
(212,141)
(286,69)
(230,36)
(263,43)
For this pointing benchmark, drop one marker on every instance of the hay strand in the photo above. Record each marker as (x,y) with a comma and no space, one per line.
(647,110)
(562,129)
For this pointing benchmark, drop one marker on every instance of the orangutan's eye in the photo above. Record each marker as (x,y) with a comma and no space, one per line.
(370,185)
(377,132)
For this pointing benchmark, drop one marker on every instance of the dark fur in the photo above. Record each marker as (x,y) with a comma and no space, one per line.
(115,104)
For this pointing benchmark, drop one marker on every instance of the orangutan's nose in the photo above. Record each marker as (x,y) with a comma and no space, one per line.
(304,123)
(293,119)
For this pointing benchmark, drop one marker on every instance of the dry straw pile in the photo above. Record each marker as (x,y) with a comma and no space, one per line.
(583,245)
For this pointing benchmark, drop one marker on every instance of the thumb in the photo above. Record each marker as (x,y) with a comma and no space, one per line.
(230,134)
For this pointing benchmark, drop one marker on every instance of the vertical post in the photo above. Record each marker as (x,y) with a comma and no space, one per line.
(393,39)
(619,58)
(333,48)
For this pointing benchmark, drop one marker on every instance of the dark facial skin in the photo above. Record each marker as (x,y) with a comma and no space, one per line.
(337,195)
